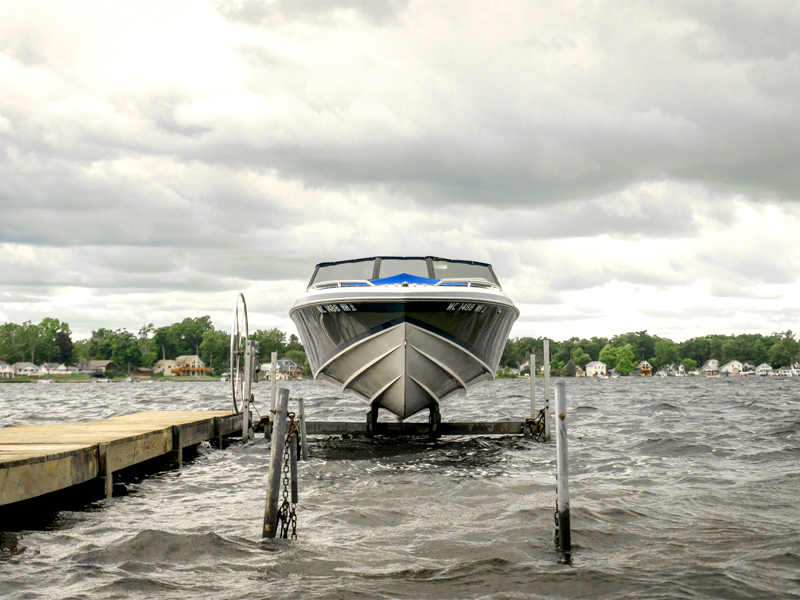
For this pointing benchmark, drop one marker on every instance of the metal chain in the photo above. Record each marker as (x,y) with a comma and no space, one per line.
(287,516)
(538,427)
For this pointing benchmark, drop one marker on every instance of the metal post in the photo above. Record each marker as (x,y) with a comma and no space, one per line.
(532,366)
(250,375)
(275,464)
(564,542)
(303,437)
(546,390)
(273,380)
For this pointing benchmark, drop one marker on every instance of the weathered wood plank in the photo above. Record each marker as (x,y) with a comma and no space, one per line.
(38,459)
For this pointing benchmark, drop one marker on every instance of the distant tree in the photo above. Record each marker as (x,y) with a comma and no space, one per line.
(31,334)
(569,369)
(689,364)
(626,361)
(666,354)
(783,350)
(608,355)
(64,344)
(269,341)
(215,351)
(145,333)
(580,358)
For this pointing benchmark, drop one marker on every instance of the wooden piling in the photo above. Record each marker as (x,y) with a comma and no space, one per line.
(303,436)
(177,446)
(106,474)
(275,464)
(273,380)
(564,542)
(546,390)
(532,366)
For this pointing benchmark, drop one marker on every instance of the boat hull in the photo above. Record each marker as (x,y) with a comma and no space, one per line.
(404,356)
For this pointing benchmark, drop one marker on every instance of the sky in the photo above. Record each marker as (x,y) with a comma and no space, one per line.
(624,166)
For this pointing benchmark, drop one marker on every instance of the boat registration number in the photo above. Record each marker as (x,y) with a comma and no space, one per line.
(466,307)
(335,308)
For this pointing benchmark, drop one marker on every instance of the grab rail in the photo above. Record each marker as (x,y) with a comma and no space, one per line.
(337,284)
(325,285)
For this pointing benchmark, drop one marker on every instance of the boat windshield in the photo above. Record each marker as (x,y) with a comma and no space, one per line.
(430,267)
(447,270)
(347,271)
(409,266)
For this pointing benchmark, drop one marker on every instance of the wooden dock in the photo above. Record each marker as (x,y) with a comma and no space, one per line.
(39,459)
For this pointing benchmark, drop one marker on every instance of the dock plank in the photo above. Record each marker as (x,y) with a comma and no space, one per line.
(38,459)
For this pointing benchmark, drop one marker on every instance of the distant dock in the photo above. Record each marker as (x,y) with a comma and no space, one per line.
(39,459)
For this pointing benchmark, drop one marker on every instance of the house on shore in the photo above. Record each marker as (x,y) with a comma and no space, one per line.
(165,366)
(732,367)
(25,369)
(764,369)
(644,369)
(190,366)
(676,369)
(595,368)
(96,368)
(6,370)
(710,367)
(289,368)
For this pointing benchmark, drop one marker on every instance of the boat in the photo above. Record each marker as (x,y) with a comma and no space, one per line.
(404,333)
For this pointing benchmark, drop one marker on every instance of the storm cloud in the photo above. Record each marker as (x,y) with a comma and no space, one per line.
(624,166)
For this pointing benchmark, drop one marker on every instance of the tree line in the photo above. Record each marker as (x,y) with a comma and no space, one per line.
(624,352)
(51,341)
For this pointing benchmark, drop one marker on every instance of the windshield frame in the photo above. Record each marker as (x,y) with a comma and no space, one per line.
(377,265)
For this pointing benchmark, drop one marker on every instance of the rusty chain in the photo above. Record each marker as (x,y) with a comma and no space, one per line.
(287,516)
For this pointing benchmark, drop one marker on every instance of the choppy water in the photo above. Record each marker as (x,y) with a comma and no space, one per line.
(680,488)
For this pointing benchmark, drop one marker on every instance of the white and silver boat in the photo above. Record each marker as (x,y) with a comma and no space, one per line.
(404,333)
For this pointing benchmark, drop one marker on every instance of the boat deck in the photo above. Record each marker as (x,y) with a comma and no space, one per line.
(39,459)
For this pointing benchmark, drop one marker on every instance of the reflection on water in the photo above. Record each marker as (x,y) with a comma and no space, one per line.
(680,488)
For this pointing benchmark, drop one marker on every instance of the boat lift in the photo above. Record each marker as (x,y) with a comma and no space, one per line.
(287,438)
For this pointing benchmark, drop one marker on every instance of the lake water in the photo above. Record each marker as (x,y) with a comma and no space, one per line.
(680,488)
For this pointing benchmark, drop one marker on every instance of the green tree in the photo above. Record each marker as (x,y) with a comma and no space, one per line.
(580,358)
(215,351)
(269,341)
(689,364)
(64,344)
(666,354)
(568,370)
(608,355)
(784,350)
(626,360)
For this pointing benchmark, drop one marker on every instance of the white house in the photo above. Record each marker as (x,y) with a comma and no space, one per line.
(26,369)
(595,368)
(784,372)
(710,366)
(165,366)
(644,368)
(6,370)
(676,370)
(733,367)
(763,369)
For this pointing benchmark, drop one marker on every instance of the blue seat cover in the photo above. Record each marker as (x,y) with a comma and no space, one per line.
(404,278)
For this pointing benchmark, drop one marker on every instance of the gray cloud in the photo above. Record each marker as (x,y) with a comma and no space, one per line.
(373,12)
